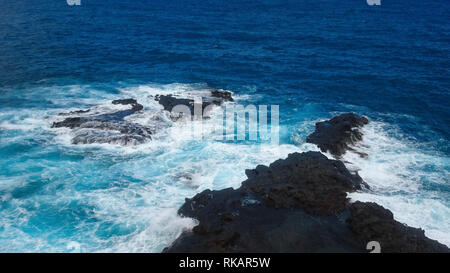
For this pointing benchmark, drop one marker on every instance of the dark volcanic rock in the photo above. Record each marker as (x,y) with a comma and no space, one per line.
(295,205)
(224,95)
(309,180)
(335,135)
(372,222)
(135,106)
(111,131)
(124,101)
(99,126)
(216,97)
(69,122)
(234,224)
(169,101)
(107,128)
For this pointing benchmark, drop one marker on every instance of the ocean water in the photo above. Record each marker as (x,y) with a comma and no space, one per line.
(314,59)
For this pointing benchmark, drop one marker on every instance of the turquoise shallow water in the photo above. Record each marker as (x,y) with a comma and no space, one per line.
(314,59)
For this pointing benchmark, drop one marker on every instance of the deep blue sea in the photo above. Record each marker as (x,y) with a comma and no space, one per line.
(313,58)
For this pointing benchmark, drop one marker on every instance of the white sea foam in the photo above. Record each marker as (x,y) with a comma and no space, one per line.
(395,169)
(172,166)
(404,178)
(131,193)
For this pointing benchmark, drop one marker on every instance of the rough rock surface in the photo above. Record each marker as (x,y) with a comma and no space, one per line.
(335,135)
(295,205)
(107,127)
(372,222)
(309,180)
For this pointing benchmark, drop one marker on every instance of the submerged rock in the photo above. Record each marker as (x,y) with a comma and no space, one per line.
(335,135)
(108,127)
(298,204)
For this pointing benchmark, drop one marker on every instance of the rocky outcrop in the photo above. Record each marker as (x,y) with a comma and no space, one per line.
(222,95)
(335,135)
(293,205)
(108,127)
(298,204)
(169,102)
(215,96)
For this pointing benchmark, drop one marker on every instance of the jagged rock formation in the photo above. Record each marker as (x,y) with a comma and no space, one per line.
(308,180)
(294,205)
(335,135)
(216,97)
(134,105)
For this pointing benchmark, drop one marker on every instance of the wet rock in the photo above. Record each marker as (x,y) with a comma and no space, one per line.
(125,101)
(224,95)
(169,101)
(335,135)
(215,97)
(108,127)
(69,122)
(372,222)
(135,106)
